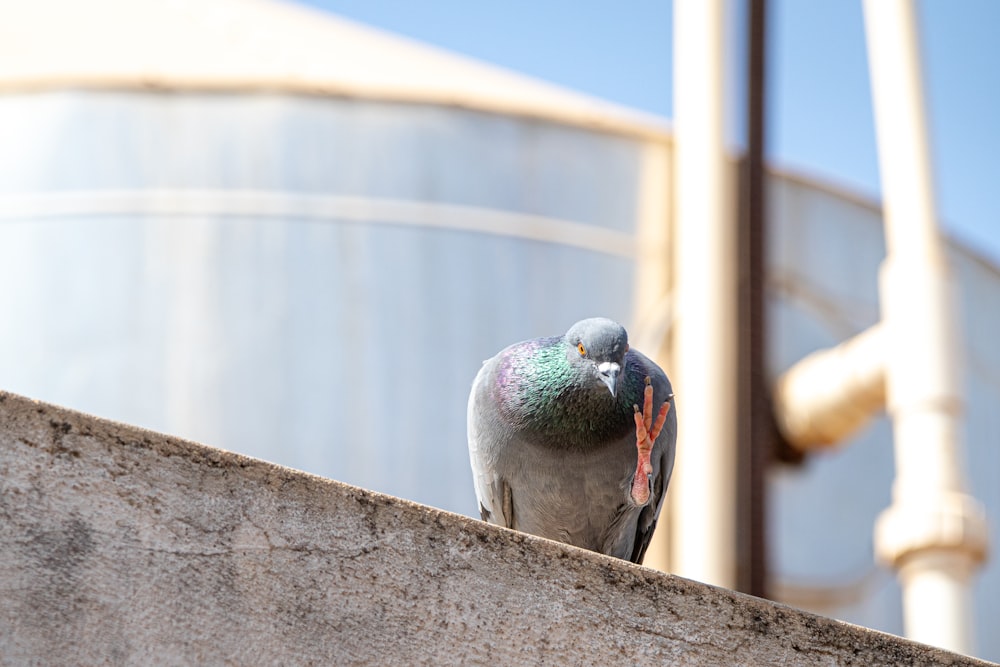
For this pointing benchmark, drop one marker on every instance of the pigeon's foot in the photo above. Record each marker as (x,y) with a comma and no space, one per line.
(646,432)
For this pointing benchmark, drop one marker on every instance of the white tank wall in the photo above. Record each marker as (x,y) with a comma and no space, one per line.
(340,347)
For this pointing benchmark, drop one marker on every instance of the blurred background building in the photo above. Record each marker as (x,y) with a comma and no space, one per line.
(282,233)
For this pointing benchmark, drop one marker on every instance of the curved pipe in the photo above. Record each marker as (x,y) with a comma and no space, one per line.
(827,396)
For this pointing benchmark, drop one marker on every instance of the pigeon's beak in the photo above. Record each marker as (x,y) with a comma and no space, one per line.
(609,375)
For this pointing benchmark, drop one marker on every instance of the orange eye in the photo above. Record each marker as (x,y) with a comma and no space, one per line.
(626,348)
(581,349)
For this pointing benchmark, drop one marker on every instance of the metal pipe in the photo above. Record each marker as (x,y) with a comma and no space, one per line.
(934,533)
(830,394)
(703,544)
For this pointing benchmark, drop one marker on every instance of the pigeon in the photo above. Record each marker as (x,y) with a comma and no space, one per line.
(564,443)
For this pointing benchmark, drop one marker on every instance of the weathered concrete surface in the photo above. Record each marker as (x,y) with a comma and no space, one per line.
(122,546)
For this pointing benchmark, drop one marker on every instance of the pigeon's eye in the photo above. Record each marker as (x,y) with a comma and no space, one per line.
(581,349)
(626,348)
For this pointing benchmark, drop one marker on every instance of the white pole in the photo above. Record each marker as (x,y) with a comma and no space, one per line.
(702,496)
(934,533)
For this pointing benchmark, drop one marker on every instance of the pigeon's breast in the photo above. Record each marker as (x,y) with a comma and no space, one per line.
(544,400)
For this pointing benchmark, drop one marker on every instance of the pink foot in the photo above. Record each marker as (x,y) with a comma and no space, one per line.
(644,439)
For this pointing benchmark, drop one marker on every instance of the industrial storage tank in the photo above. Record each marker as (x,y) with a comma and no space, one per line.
(288,235)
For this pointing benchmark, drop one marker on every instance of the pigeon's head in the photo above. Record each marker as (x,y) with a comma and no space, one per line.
(597,348)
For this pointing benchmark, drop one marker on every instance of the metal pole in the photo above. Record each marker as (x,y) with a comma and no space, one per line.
(934,533)
(755,422)
(703,544)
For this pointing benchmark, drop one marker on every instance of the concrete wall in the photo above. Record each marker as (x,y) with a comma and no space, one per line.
(122,546)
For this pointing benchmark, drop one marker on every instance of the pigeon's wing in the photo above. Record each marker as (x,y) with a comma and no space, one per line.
(663,450)
(486,435)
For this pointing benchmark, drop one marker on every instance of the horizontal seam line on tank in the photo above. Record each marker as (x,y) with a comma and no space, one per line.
(335,208)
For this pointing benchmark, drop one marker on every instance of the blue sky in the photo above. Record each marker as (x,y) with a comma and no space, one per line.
(819,104)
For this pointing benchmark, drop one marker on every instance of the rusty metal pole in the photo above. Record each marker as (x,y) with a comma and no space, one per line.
(755,422)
